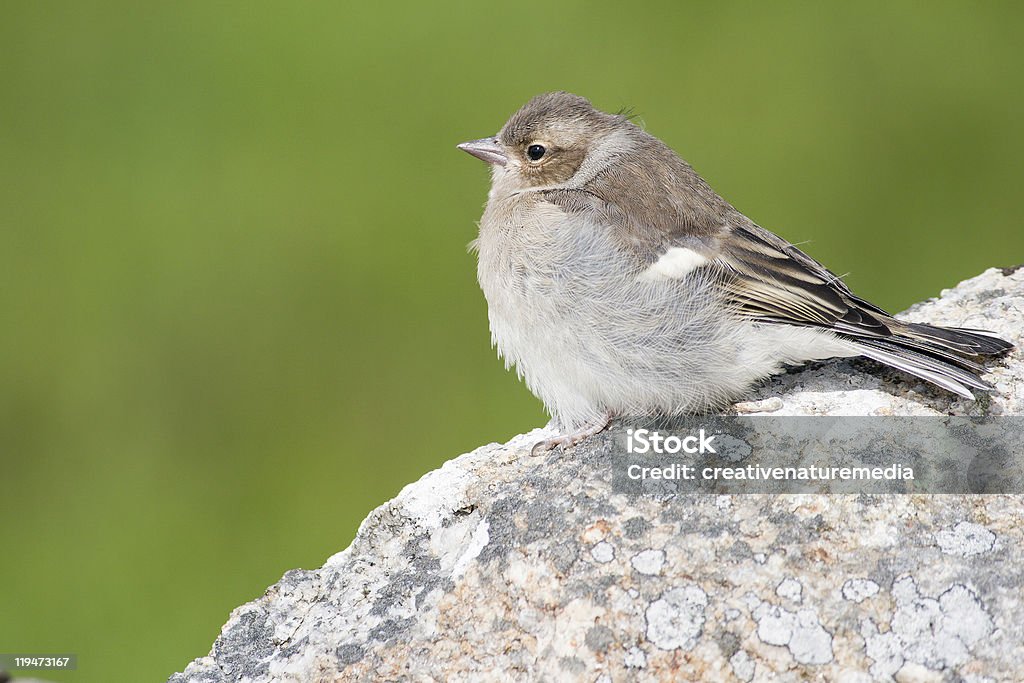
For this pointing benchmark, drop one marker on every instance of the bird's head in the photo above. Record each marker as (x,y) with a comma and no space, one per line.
(551,141)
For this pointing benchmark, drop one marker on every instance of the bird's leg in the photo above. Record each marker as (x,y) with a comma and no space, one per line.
(567,440)
(768,405)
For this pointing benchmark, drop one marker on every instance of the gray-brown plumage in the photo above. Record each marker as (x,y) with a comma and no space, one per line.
(619,283)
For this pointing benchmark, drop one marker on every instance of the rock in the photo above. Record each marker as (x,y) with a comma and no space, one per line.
(525,568)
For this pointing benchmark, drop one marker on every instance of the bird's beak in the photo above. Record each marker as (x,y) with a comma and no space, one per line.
(486,149)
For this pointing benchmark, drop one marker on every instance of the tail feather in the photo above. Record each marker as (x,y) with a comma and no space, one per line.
(934,350)
(936,354)
(960,339)
(934,370)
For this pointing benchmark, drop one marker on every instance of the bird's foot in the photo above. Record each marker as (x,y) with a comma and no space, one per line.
(568,440)
(768,405)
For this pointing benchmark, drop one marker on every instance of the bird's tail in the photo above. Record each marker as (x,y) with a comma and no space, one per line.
(940,355)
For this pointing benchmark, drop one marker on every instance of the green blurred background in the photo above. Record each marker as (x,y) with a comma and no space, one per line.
(238,312)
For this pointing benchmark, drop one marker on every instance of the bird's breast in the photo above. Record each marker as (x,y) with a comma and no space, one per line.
(535,256)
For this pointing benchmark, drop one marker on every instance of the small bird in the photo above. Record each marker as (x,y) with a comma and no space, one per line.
(618,283)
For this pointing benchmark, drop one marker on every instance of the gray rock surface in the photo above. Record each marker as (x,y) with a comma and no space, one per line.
(503,566)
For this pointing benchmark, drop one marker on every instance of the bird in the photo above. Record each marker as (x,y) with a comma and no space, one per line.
(620,284)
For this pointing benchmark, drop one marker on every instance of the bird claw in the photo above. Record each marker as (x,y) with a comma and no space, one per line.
(546,445)
(570,440)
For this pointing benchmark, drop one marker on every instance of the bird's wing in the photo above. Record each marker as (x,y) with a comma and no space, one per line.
(765,276)
(768,279)
(773,281)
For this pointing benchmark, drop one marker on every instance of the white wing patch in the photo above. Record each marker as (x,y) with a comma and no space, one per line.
(674,264)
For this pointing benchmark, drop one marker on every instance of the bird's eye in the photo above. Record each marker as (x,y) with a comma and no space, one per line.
(535,152)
